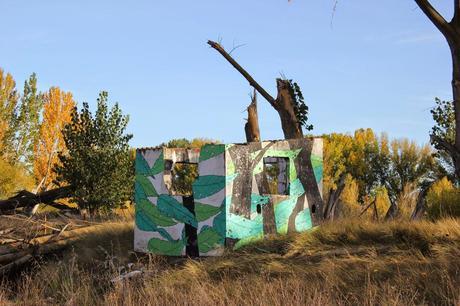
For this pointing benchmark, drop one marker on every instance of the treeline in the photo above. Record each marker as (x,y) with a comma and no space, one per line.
(46,142)
(30,133)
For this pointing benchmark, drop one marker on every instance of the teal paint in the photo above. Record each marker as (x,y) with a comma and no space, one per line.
(218,212)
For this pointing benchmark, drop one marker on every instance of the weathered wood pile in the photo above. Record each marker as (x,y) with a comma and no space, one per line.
(24,238)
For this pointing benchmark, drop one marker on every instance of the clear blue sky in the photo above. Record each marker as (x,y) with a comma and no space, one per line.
(379,65)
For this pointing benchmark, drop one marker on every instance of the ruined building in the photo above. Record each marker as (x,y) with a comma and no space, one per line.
(197,201)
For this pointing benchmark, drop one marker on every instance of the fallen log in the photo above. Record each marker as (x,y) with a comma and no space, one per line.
(19,253)
(28,199)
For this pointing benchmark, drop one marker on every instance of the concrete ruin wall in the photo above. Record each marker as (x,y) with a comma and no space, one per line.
(252,210)
(233,199)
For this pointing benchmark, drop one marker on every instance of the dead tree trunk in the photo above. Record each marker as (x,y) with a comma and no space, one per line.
(451,32)
(282,104)
(29,199)
(292,129)
(251,128)
(333,199)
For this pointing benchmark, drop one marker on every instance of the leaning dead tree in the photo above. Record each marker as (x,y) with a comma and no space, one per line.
(292,129)
(26,199)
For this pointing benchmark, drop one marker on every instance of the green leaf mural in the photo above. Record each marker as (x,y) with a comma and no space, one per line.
(141,164)
(164,247)
(146,185)
(317,164)
(170,207)
(139,193)
(205,211)
(159,165)
(219,224)
(210,151)
(209,239)
(207,185)
(150,213)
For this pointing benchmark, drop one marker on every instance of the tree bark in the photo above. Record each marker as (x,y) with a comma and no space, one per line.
(284,105)
(333,199)
(29,199)
(420,207)
(451,32)
(251,127)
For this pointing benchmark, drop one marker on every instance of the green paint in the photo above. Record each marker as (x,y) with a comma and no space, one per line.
(170,207)
(296,189)
(303,220)
(204,211)
(230,178)
(218,224)
(159,165)
(146,185)
(164,247)
(152,214)
(139,193)
(282,212)
(258,200)
(230,167)
(209,239)
(142,167)
(239,227)
(205,186)
(317,164)
(210,151)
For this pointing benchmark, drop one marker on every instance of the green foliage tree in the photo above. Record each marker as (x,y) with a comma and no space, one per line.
(98,165)
(300,107)
(8,113)
(444,132)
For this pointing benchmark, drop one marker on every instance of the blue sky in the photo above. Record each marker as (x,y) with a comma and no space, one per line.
(380,64)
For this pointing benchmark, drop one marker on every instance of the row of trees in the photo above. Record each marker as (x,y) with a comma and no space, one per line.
(30,133)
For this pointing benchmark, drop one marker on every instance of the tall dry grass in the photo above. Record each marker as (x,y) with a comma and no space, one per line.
(342,263)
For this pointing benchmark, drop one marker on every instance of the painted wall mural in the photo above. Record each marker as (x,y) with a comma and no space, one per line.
(241,193)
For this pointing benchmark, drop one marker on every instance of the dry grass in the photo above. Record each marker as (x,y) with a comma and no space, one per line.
(342,263)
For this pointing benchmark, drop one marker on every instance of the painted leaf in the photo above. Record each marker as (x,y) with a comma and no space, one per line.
(209,239)
(152,214)
(165,247)
(141,164)
(146,185)
(218,223)
(210,151)
(204,211)
(139,193)
(207,185)
(158,166)
(170,207)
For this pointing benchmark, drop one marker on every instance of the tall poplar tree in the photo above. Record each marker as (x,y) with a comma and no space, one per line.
(57,110)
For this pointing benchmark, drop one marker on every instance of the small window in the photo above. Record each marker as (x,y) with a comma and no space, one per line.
(276,171)
(182,177)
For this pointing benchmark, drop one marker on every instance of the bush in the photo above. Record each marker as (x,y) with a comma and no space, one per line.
(13,179)
(443,200)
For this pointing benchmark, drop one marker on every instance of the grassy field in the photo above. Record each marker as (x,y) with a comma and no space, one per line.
(342,263)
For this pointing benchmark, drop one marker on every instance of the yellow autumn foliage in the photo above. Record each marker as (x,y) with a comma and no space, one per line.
(56,114)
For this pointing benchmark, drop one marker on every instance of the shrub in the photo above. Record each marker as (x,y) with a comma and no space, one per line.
(443,200)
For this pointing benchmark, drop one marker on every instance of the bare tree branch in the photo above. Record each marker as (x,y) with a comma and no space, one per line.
(246,75)
(436,18)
